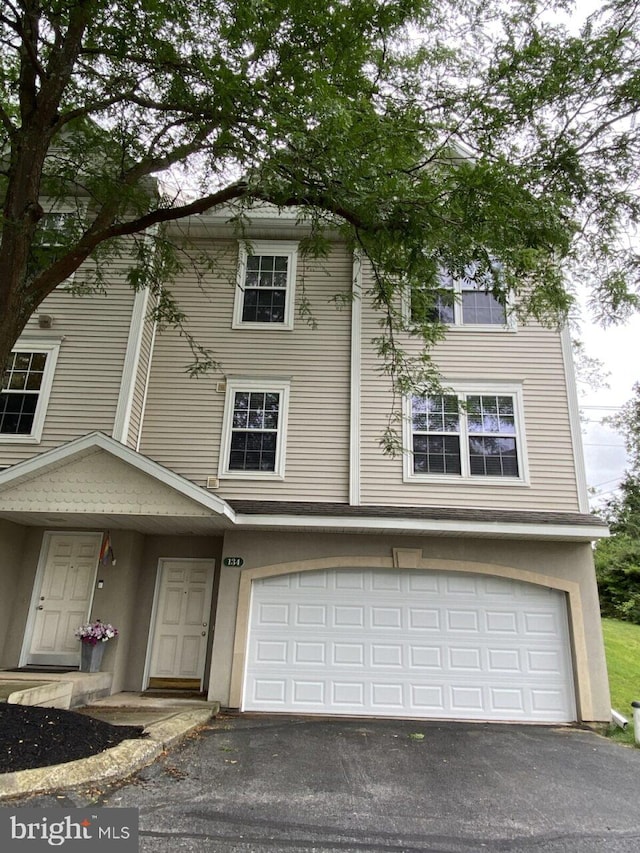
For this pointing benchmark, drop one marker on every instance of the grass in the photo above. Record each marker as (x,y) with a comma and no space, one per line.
(622,648)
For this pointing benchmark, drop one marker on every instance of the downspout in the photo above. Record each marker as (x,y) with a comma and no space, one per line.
(574,420)
(356,370)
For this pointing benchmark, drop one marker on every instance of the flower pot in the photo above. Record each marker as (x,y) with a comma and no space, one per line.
(91,656)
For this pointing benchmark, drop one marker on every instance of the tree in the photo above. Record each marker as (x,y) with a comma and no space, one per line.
(436,134)
(618,559)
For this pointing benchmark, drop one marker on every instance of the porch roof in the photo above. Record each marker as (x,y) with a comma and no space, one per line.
(95,481)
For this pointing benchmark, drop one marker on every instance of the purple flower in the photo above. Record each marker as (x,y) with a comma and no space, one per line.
(96,632)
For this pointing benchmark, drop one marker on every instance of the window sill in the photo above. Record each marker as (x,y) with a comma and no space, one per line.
(457,479)
(271,327)
(481,327)
(251,475)
(19,439)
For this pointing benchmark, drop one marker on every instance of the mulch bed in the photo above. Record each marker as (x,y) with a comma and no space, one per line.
(31,736)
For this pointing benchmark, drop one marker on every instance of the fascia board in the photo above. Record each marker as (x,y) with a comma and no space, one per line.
(100,441)
(457,528)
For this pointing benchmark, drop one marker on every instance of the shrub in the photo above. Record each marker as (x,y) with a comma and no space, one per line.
(618,573)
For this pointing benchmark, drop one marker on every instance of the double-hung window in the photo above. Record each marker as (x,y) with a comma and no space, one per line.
(254,433)
(466,301)
(26,384)
(470,434)
(265,291)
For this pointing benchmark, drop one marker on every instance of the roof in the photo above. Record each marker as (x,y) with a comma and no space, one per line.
(77,484)
(413,519)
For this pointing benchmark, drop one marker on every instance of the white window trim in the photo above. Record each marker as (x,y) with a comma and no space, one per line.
(275,386)
(458,325)
(52,349)
(80,211)
(464,389)
(266,247)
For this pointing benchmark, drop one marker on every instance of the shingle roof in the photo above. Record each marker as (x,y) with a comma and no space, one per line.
(449,514)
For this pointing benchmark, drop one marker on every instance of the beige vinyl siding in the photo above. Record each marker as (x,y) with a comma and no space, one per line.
(184,416)
(140,383)
(94,331)
(530,356)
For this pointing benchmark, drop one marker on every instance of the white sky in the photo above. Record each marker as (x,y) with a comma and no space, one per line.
(618,348)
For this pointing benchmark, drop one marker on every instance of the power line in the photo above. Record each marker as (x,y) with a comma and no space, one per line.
(603,408)
(584,444)
(606,482)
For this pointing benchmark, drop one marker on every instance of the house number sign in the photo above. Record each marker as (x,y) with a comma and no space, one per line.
(238,562)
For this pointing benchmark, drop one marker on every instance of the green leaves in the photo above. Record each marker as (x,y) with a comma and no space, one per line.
(437,134)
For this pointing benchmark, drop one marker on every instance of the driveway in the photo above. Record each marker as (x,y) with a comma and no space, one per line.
(296,784)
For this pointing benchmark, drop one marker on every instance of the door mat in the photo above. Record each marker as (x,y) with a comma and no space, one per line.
(173,694)
(52,669)
(174,683)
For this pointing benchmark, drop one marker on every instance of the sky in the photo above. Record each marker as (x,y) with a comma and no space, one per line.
(618,348)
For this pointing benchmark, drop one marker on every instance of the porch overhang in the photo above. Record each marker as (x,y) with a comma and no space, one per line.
(96,482)
(433,521)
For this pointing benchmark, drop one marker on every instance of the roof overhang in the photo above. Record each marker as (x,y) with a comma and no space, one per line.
(96,481)
(433,521)
(30,495)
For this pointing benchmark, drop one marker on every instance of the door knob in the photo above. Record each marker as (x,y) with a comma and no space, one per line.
(40,607)
(204,633)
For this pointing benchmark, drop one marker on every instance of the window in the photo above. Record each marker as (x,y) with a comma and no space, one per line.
(266,285)
(436,434)
(26,384)
(55,231)
(254,431)
(470,303)
(468,434)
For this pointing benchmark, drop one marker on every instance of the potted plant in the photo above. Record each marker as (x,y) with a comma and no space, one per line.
(93,636)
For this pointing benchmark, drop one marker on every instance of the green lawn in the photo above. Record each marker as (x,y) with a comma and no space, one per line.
(622,647)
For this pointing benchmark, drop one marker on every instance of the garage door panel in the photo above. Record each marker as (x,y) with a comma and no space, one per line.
(504,661)
(456,585)
(424,620)
(313,615)
(312,580)
(502,622)
(359,643)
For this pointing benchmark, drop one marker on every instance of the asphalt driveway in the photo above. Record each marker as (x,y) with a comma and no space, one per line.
(296,784)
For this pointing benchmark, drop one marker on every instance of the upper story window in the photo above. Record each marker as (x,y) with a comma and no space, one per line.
(468,434)
(54,232)
(26,385)
(254,432)
(466,301)
(265,291)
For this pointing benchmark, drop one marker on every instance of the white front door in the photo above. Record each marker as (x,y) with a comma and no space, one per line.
(182,620)
(66,580)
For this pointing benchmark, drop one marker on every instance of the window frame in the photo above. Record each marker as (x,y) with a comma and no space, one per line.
(51,350)
(464,390)
(262,386)
(458,323)
(266,248)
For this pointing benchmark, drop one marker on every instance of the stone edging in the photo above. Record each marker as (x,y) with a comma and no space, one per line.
(116,763)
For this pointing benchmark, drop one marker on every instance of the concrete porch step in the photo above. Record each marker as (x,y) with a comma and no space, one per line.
(73,688)
(47,694)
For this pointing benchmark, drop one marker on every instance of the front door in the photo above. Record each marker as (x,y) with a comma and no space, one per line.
(66,585)
(182,623)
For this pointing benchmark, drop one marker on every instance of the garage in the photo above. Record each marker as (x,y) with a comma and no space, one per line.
(408,643)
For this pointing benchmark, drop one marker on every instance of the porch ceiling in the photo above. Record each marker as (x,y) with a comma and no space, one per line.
(145,524)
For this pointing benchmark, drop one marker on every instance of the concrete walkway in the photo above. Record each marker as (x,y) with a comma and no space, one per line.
(165,720)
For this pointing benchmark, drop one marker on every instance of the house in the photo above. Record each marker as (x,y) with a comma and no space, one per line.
(266,549)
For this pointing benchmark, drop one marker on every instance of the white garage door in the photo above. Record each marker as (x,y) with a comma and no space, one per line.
(408,644)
